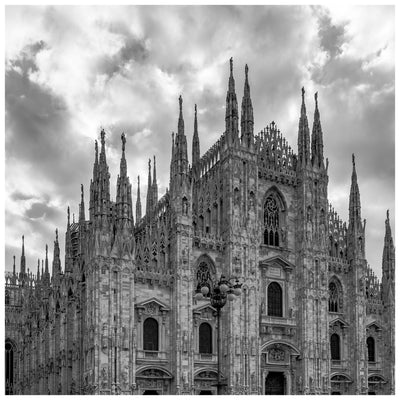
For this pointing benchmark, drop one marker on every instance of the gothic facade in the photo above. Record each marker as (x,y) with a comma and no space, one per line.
(122,317)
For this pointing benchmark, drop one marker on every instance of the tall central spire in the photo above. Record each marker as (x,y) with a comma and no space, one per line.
(231,113)
(247,120)
(303,140)
(149,197)
(23,262)
(317,146)
(181,123)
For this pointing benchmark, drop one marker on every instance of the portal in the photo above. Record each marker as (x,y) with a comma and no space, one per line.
(275,383)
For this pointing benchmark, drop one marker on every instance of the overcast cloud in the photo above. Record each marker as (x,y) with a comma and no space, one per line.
(72,70)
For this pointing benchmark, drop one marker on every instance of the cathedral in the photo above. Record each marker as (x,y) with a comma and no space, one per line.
(133,309)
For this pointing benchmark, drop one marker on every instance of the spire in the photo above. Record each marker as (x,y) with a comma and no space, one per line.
(23,264)
(56,267)
(14,265)
(247,119)
(303,140)
(181,123)
(68,245)
(155,186)
(388,265)
(38,270)
(356,229)
(124,194)
(82,207)
(317,146)
(103,147)
(196,141)
(123,168)
(46,276)
(149,197)
(231,113)
(138,203)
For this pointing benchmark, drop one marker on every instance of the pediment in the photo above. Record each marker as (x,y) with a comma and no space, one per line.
(152,304)
(339,321)
(374,325)
(276,261)
(206,311)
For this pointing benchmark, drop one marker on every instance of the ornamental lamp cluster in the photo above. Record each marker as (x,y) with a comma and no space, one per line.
(222,291)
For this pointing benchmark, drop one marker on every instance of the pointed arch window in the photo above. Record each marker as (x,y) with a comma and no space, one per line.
(150,334)
(7,297)
(9,367)
(335,347)
(274,300)
(333,297)
(205,338)
(272,228)
(371,349)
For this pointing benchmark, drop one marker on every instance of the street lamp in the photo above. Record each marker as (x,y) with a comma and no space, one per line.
(218,294)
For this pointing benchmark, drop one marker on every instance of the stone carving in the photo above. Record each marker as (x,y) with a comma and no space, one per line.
(104,337)
(276,354)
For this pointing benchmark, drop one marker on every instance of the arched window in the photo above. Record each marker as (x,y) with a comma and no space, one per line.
(150,334)
(205,338)
(335,347)
(371,349)
(7,297)
(271,221)
(9,367)
(333,297)
(274,300)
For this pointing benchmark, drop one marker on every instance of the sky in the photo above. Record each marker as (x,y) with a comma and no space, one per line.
(76,69)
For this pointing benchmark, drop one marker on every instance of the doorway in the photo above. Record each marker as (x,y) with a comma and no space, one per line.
(206,392)
(275,383)
(151,392)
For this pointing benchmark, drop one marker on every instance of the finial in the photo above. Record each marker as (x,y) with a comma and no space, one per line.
(246,70)
(316,99)
(56,235)
(123,139)
(14,264)
(73,218)
(387,216)
(231,64)
(354,160)
(149,164)
(102,135)
(195,109)
(302,93)
(138,181)
(47,249)
(96,147)
(68,215)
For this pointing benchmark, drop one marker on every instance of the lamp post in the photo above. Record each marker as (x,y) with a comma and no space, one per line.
(219,293)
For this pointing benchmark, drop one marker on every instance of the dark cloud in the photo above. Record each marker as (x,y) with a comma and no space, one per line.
(332,37)
(20,196)
(41,210)
(26,61)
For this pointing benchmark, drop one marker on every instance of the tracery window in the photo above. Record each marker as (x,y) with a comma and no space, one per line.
(333,297)
(274,300)
(335,347)
(371,349)
(150,334)
(205,338)
(7,297)
(203,276)
(271,222)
